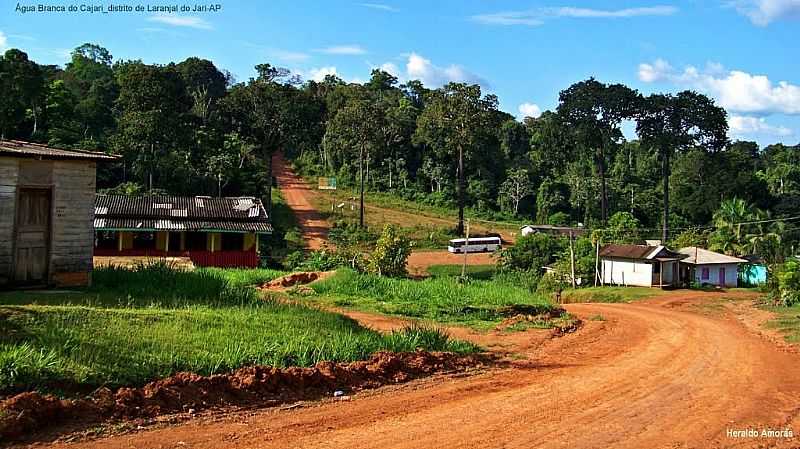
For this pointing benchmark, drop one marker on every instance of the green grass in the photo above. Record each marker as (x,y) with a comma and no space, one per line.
(473,271)
(609,294)
(135,326)
(787,322)
(477,303)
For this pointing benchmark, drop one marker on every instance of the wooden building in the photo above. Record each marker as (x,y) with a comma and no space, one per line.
(220,232)
(46,212)
(640,265)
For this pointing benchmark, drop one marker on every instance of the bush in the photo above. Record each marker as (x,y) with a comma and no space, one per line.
(789,283)
(531,253)
(347,233)
(325,260)
(558,219)
(391,253)
(550,283)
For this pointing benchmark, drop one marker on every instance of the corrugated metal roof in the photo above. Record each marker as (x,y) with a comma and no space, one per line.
(39,151)
(133,224)
(700,256)
(180,213)
(191,207)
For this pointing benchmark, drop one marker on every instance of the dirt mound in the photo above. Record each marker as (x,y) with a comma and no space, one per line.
(291,280)
(186,391)
(519,313)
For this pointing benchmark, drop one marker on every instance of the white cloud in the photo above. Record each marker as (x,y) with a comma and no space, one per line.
(742,126)
(390,68)
(287,55)
(535,17)
(344,50)
(181,21)
(319,74)
(3,41)
(529,110)
(763,12)
(418,67)
(379,6)
(656,71)
(734,90)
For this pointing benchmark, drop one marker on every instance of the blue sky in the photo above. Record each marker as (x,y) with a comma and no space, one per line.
(743,53)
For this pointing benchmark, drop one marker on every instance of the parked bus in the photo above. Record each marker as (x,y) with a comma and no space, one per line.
(476,245)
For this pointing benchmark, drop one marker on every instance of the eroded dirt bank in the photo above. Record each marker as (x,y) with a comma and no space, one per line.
(658,374)
(25,413)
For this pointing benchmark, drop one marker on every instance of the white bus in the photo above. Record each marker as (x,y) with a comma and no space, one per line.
(475,245)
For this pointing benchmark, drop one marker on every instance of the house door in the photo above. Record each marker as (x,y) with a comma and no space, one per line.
(722,276)
(33,236)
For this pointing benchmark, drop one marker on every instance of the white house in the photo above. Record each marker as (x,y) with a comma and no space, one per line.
(639,265)
(710,268)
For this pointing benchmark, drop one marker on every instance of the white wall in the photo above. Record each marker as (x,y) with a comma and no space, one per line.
(626,272)
(731,274)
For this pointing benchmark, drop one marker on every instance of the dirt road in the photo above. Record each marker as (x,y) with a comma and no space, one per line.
(673,372)
(419,261)
(296,193)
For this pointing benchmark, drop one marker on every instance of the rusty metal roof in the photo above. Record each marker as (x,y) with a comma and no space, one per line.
(180,213)
(648,252)
(627,251)
(35,150)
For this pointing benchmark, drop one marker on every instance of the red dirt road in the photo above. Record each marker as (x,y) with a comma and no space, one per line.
(296,193)
(674,372)
(419,261)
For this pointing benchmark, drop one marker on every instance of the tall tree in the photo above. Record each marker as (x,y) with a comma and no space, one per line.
(595,112)
(356,126)
(452,122)
(516,187)
(259,110)
(671,124)
(23,87)
(154,103)
(90,78)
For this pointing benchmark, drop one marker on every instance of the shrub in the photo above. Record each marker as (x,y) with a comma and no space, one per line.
(531,252)
(558,219)
(391,253)
(347,233)
(789,283)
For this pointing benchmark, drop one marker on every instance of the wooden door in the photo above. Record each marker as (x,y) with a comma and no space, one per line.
(722,276)
(33,236)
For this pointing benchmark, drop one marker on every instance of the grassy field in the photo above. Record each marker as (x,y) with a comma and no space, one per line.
(609,294)
(788,322)
(134,326)
(477,303)
(429,227)
(473,271)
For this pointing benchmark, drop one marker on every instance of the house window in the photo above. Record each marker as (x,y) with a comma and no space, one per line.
(704,275)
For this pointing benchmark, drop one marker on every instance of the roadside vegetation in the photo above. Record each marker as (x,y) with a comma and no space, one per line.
(136,325)
(477,303)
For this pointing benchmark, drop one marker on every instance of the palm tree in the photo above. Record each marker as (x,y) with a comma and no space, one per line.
(729,219)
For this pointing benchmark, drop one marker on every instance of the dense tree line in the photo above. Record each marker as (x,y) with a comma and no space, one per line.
(189,128)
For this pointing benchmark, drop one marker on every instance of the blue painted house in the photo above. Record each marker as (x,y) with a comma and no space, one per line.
(754,272)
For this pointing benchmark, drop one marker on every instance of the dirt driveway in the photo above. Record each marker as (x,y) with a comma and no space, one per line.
(297,195)
(679,371)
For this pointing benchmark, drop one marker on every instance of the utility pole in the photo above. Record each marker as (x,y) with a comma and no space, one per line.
(466,244)
(596,261)
(572,259)
(361,176)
